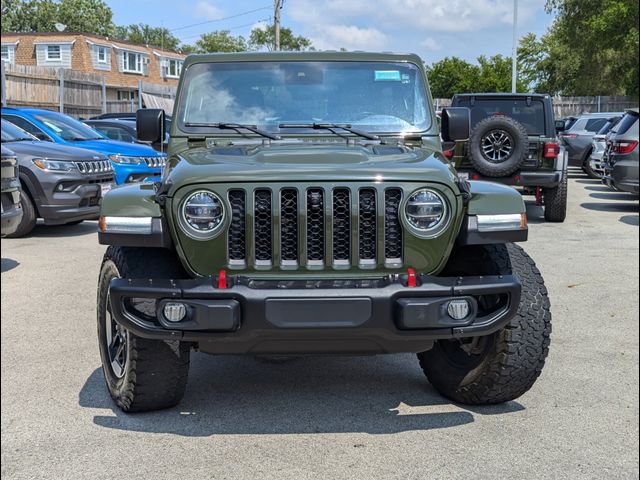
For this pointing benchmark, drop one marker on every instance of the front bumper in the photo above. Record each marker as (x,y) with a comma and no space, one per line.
(134,173)
(81,203)
(300,317)
(11,212)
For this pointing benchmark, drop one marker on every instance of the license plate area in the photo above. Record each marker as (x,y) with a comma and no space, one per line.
(318,312)
(105,188)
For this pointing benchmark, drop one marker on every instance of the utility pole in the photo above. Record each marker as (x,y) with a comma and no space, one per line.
(276,24)
(514,54)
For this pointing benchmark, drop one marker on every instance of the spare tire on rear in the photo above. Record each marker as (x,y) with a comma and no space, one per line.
(498,146)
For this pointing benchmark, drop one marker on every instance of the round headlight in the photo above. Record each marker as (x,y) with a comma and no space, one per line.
(202,215)
(425,212)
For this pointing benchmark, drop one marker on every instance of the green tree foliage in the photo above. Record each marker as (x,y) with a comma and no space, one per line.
(591,49)
(147,35)
(90,16)
(265,37)
(220,41)
(29,15)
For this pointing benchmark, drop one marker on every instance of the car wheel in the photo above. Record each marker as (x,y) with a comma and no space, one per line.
(29,216)
(555,202)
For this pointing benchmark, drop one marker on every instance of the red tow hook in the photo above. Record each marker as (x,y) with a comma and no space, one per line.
(538,195)
(412,279)
(222,279)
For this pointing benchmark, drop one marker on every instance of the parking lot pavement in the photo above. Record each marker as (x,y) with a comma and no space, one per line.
(356,418)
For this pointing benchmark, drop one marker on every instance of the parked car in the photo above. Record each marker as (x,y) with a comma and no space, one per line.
(513,141)
(567,123)
(132,162)
(11,208)
(124,116)
(578,139)
(124,130)
(330,224)
(594,168)
(621,156)
(60,184)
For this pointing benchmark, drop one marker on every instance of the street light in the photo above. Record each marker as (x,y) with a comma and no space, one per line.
(514,54)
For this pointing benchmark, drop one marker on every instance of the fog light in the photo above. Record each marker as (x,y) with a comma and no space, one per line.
(458,309)
(174,311)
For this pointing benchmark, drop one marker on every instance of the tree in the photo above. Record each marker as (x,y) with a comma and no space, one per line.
(495,75)
(220,41)
(29,15)
(265,37)
(452,75)
(591,49)
(147,35)
(87,16)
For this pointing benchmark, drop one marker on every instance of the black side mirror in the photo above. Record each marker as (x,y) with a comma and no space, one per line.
(150,125)
(560,126)
(455,124)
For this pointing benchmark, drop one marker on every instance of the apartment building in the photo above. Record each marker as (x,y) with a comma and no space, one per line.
(122,64)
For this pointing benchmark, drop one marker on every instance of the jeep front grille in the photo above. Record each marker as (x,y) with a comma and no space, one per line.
(315,227)
(154,162)
(94,166)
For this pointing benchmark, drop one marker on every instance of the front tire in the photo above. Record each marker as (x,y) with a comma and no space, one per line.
(29,216)
(140,374)
(502,366)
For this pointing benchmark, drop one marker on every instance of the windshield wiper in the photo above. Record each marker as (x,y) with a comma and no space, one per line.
(332,127)
(82,139)
(237,127)
(20,139)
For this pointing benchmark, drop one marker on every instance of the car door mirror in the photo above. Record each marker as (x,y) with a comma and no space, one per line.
(560,126)
(456,124)
(150,125)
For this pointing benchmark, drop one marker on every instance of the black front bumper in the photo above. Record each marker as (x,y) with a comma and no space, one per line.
(299,317)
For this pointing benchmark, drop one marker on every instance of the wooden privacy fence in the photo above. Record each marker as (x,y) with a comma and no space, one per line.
(72,92)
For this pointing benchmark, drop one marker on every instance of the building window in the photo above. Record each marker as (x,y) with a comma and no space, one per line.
(126,95)
(101,54)
(53,53)
(5,53)
(132,62)
(174,67)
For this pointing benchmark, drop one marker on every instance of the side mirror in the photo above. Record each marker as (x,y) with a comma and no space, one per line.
(456,124)
(560,126)
(150,125)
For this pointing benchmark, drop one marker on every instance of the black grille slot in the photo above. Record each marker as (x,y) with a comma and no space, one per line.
(237,228)
(367,225)
(289,225)
(262,226)
(315,225)
(392,228)
(341,225)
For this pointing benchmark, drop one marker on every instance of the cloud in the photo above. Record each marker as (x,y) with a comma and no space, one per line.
(430,44)
(207,11)
(351,37)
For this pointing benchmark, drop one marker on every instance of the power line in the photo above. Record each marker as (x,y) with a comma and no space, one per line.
(230,28)
(222,19)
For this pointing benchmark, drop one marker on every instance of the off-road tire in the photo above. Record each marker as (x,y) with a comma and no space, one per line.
(555,202)
(518,154)
(155,373)
(29,216)
(514,356)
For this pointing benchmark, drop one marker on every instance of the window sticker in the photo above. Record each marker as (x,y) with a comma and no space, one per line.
(387,76)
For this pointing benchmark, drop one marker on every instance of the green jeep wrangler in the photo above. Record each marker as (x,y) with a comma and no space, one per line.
(514,142)
(307,208)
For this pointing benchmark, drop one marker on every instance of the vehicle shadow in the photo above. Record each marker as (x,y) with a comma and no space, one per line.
(8,264)
(630,220)
(587,181)
(535,212)
(48,231)
(611,207)
(600,188)
(622,196)
(238,395)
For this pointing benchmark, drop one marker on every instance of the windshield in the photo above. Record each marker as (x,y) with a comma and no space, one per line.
(375,97)
(67,127)
(11,133)
(530,116)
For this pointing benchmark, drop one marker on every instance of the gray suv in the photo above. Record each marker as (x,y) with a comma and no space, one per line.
(60,184)
(621,156)
(579,138)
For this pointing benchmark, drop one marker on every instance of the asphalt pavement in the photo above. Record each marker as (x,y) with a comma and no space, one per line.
(330,418)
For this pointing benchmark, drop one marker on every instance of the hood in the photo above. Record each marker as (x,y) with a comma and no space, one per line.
(54,151)
(308,162)
(114,147)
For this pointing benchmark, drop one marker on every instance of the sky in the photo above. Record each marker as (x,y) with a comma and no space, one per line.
(433,29)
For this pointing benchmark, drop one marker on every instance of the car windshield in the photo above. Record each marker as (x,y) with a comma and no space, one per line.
(530,115)
(374,97)
(12,133)
(68,128)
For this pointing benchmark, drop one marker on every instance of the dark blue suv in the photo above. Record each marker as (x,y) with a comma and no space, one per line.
(132,162)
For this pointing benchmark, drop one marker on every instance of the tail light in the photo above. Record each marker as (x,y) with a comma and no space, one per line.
(448,153)
(551,150)
(624,147)
(569,135)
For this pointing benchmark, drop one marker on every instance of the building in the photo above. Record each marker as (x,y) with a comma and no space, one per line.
(123,65)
